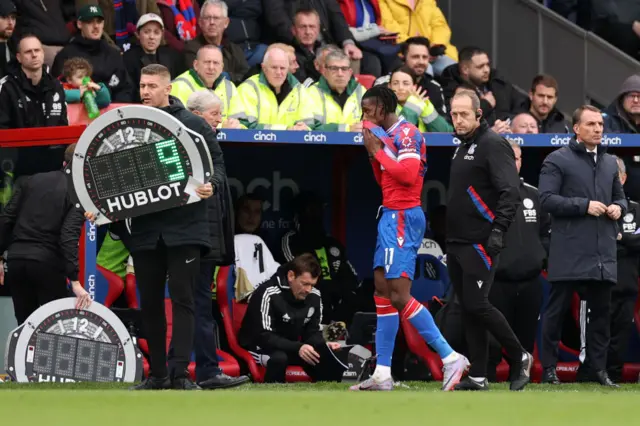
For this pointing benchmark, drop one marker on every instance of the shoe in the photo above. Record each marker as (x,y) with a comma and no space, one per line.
(550,377)
(453,372)
(222,381)
(524,374)
(372,385)
(603,378)
(153,383)
(468,384)
(184,383)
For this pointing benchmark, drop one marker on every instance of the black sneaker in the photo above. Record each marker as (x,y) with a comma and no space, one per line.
(153,383)
(550,377)
(524,374)
(468,384)
(222,381)
(184,383)
(604,380)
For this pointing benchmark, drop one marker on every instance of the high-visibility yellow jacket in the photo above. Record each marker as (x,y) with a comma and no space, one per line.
(188,82)
(261,108)
(328,115)
(424,115)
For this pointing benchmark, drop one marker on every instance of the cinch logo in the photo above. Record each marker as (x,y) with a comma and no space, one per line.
(517,140)
(222,136)
(456,141)
(315,137)
(141,198)
(358,138)
(92,231)
(559,140)
(611,141)
(91,284)
(260,136)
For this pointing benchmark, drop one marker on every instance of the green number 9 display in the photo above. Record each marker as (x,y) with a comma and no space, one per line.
(172,158)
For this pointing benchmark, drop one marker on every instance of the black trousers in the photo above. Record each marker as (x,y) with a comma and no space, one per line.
(520,303)
(471,273)
(33,284)
(181,265)
(597,295)
(622,315)
(331,367)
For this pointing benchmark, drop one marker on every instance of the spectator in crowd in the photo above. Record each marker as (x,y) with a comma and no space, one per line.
(214,21)
(336,97)
(413,106)
(517,290)
(180,22)
(542,105)
(7,26)
(40,228)
(206,74)
(282,326)
(498,98)
(338,281)
(582,251)
(364,20)
(625,293)
(171,243)
(415,54)
(120,18)
(282,16)
(208,373)
(274,99)
(52,21)
(74,72)
(421,19)
(623,115)
(31,97)
(524,123)
(149,50)
(294,68)
(245,28)
(314,73)
(108,65)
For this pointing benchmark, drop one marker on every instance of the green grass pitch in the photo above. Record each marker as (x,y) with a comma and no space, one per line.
(417,403)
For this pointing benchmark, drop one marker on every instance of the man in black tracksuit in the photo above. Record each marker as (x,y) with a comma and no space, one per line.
(517,290)
(581,190)
(625,292)
(31,97)
(107,62)
(40,229)
(483,200)
(282,325)
(338,281)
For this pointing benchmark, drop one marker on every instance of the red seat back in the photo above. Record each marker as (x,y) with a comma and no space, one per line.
(366,80)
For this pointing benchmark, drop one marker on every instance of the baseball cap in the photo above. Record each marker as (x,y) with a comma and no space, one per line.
(7,8)
(149,17)
(88,12)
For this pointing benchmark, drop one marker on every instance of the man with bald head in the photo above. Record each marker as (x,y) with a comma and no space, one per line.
(524,124)
(274,99)
(206,74)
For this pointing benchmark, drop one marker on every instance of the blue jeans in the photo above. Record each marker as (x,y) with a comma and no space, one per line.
(255,54)
(205,342)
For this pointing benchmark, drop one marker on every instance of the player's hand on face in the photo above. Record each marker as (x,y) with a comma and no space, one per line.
(334,346)
(309,355)
(614,212)
(83,299)
(205,190)
(371,141)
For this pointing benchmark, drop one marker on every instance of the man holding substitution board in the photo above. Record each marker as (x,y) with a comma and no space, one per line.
(170,243)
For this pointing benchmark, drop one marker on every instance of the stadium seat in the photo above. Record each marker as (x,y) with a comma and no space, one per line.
(366,80)
(77,113)
(108,286)
(431,279)
(232,315)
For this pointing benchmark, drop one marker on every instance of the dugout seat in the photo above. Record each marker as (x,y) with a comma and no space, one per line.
(232,315)
(431,279)
(108,286)
(366,80)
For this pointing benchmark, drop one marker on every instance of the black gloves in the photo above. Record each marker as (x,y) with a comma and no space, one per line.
(495,243)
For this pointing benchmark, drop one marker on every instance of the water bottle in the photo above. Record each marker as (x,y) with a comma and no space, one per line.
(89,100)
